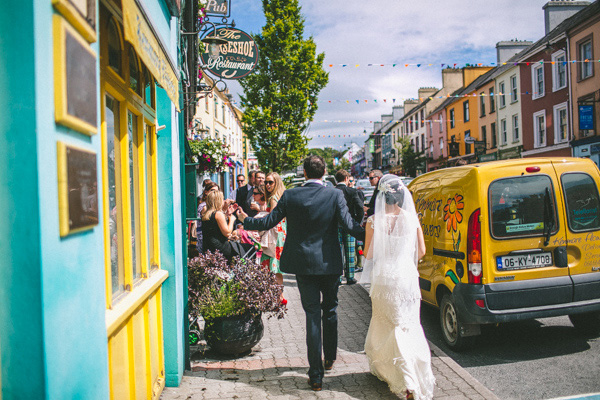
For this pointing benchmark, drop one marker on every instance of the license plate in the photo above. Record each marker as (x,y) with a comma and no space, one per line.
(524,261)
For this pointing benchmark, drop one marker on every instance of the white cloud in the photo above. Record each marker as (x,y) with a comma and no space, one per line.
(397,31)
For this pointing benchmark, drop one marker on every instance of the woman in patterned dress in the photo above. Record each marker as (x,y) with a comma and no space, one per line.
(274,190)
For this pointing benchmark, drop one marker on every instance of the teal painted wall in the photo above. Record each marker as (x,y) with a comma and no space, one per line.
(73,288)
(171,255)
(52,293)
(21,331)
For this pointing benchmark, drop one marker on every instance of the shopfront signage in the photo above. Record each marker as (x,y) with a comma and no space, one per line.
(513,152)
(488,157)
(140,35)
(236,59)
(586,117)
(218,8)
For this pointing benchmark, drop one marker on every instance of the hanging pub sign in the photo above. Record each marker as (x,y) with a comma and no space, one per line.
(233,60)
(218,8)
(586,117)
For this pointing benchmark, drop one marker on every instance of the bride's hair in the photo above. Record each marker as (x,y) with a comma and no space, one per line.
(393,192)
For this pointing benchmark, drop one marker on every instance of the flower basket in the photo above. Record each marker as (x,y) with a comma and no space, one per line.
(212,155)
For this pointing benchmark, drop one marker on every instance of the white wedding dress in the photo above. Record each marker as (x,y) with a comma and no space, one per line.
(396,347)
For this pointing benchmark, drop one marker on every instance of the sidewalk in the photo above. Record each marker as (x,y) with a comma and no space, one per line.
(277,366)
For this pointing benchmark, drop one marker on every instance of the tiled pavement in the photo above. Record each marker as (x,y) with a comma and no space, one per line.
(277,366)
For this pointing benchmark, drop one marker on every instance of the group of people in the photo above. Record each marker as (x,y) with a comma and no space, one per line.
(217,230)
(318,219)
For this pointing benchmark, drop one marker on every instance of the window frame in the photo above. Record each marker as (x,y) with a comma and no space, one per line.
(558,64)
(492,101)
(502,94)
(581,58)
(555,114)
(534,83)
(515,128)
(466,111)
(567,204)
(514,89)
(482,104)
(452,118)
(503,132)
(536,132)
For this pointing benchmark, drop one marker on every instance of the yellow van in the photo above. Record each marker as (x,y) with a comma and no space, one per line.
(510,240)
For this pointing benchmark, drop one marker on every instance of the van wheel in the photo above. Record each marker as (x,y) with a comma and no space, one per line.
(451,327)
(588,323)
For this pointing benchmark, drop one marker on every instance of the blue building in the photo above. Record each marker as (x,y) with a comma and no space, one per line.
(93,287)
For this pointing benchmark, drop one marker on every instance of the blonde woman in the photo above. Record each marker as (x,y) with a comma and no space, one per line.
(274,190)
(218,227)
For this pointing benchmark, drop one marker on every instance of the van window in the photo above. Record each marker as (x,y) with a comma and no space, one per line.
(522,206)
(581,197)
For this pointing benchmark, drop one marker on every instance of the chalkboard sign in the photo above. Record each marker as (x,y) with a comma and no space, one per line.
(78,189)
(76,91)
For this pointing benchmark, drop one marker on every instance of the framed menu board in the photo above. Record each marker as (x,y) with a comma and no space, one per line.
(81,14)
(77,189)
(75,86)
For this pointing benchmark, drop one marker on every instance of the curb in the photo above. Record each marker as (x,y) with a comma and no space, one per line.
(460,371)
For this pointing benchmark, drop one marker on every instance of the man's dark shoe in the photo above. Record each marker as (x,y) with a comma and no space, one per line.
(351,281)
(315,385)
(329,364)
(359,269)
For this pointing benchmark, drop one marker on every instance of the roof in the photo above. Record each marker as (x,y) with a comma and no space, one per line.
(561,28)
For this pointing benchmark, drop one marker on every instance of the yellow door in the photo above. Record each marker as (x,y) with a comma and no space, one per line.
(133,275)
(522,232)
(579,188)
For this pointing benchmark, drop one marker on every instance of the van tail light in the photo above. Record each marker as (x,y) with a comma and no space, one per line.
(474,248)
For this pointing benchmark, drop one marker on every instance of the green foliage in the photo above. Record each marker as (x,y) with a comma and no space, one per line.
(410,160)
(280,97)
(329,155)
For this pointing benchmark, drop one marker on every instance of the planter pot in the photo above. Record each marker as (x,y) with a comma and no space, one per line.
(233,335)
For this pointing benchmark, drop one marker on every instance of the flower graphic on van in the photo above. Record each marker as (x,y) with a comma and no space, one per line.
(452,212)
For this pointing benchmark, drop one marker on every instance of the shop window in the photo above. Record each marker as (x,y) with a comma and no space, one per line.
(134,73)
(148,87)
(112,112)
(134,166)
(114,47)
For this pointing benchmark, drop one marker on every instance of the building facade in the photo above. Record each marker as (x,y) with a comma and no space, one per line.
(92,298)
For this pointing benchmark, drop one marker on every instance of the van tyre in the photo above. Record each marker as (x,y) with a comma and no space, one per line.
(451,326)
(588,323)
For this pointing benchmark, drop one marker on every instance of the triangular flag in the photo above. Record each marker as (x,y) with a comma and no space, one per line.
(331,65)
(418,65)
(356,101)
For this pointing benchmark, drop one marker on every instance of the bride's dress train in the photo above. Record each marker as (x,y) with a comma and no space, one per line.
(396,347)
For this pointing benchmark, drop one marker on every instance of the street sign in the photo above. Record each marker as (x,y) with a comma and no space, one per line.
(586,117)
(218,8)
(236,59)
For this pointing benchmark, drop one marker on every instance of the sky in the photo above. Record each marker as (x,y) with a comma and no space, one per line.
(388,32)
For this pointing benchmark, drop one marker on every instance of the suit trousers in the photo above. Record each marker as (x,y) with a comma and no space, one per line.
(311,287)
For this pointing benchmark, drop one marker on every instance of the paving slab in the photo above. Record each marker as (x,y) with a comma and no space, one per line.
(276,368)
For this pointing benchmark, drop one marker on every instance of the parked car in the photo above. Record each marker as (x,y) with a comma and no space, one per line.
(510,240)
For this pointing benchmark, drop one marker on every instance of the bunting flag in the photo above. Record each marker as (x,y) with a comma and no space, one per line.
(421,99)
(457,65)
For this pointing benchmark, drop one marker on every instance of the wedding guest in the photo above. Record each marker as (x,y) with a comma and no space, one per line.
(347,241)
(209,186)
(243,196)
(274,190)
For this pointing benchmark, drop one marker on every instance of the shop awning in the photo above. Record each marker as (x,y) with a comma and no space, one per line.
(139,33)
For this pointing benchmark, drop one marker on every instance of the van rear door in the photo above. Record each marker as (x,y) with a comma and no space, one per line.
(579,188)
(524,226)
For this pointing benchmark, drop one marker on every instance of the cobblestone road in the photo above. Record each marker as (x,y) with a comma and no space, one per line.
(277,367)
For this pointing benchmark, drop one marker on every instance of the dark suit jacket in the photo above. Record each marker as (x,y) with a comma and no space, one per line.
(243,198)
(355,205)
(371,205)
(313,213)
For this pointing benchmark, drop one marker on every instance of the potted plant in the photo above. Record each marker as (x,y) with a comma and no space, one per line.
(231,299)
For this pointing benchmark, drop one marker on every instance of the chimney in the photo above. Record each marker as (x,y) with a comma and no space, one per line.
(506,49)
(397,112)
(376,126)
(452,79)
(409,104)
(556,11)
(385,118)
(426,92)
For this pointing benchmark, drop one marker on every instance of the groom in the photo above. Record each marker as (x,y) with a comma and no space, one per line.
(312,252)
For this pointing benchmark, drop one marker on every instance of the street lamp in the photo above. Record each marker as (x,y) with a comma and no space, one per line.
(213,42)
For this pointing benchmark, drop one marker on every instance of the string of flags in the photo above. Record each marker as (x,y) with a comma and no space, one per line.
(456,65)
(402,100)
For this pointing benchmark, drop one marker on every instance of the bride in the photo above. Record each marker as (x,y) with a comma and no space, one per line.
(396,346)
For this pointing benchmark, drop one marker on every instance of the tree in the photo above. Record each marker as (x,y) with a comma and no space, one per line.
(280,96)
(410,160)
(329,155)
